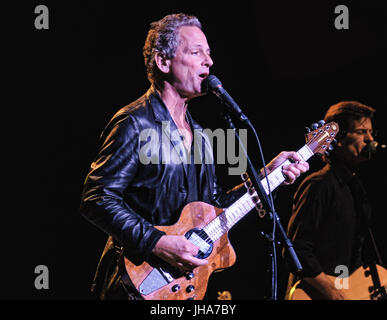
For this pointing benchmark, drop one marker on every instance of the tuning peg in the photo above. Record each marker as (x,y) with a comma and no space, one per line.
(321,123)
(330,147)
(261,211)
(334,141)
(326,153)
(314,126)
(249,186)
(307,129)
(245,176)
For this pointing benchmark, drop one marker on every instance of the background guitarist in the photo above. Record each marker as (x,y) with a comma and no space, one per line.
(125,197)
(328,222)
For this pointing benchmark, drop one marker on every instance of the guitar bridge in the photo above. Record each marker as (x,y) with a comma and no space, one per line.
(161,275)
(156,279)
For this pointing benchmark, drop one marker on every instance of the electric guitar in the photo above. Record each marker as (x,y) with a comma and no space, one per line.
(362,284)
(207,227)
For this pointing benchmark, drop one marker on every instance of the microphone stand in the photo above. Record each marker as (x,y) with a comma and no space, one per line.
(379,291)
(269,208)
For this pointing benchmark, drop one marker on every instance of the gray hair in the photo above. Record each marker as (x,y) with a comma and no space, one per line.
(163,37)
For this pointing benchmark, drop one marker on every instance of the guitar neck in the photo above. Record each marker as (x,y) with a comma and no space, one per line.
(230,216)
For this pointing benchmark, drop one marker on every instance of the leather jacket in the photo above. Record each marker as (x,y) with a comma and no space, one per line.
(125,197)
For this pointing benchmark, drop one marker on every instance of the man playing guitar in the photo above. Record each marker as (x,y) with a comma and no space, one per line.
(330,216)
(125,197)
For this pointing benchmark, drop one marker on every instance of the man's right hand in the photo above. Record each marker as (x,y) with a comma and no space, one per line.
(179,252)
(326,287)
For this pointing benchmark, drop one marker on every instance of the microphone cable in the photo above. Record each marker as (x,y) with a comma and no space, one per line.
(274,277)
(271,239)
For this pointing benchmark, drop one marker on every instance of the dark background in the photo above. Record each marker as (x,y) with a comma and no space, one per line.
(284,64)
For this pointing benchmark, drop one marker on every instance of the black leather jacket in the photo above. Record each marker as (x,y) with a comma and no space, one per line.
(126,198)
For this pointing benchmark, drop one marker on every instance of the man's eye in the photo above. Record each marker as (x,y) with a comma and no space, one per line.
(363,131)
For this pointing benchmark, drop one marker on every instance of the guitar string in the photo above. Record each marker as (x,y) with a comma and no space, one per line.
(207,238)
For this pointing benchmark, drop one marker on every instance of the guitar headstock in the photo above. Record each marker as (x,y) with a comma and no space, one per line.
(321,135)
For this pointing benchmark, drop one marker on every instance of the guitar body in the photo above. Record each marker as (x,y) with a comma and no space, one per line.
(360,286)
(195,215)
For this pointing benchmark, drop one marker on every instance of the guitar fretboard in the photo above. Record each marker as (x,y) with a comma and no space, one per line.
(230,216)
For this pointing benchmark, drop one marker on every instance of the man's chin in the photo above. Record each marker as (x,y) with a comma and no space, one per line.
(364,155)
(196,95)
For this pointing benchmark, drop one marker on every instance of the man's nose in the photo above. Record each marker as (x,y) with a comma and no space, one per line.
(369,136)
(208,61)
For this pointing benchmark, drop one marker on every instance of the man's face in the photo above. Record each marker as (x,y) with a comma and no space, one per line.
(191,63)
(358,135)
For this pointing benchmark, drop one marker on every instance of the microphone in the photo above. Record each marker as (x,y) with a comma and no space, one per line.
(213,85)
(374,146)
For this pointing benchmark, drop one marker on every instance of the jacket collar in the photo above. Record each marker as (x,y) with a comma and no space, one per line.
(342,172)
(161,114)
(160,110)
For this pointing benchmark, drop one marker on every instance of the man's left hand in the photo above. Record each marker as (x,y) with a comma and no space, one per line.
(291,171)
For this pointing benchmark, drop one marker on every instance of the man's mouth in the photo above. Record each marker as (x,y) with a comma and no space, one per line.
(203,87)
(203,75)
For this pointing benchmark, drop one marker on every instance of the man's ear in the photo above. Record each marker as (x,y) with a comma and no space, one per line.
(162,63)
(340,136)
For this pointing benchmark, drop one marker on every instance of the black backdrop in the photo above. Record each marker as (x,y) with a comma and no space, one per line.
(285,64)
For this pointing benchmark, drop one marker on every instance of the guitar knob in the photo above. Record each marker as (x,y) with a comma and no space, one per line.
(190,288)
(189,275)
(175,288)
